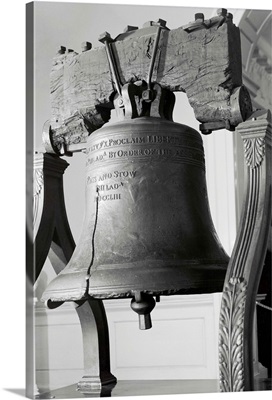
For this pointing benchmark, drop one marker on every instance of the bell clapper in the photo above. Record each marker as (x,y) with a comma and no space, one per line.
(143,304)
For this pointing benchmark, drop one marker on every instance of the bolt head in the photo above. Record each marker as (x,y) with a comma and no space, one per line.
(61,50)
(105,37)
(148,24)
(120,102)
(199,16)
(206,131)
(130,28)
(147,95)
(161,22)
(222,12)
(85,46)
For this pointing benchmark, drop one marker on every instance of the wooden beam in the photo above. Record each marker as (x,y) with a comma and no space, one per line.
(204,62)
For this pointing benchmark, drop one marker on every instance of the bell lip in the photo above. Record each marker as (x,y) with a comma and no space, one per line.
(190,273)
(166,292)
(194,279)
(67,295)
(66,287)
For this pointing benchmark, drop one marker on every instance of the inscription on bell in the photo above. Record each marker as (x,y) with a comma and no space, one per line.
(140,152)
(106,143)
(122,164)
(117,142)
(107,197)
(109,175)
(173,148)
(105,188)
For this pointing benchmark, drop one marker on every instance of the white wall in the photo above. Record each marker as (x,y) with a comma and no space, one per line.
(182,343)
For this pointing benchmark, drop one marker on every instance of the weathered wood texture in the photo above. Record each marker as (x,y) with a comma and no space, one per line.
(205,63)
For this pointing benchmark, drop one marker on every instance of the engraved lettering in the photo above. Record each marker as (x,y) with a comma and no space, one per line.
(91,179)
(104,188)
(100,157)
(140,152)
(105,176)
(163,139)
(108,197)
(138,140)
(109,175)
(125,174)
(177,149)
(116,142)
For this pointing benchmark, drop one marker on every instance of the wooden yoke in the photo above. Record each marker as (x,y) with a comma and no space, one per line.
(202,59)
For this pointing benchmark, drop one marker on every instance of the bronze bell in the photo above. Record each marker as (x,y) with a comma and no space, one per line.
(148,229)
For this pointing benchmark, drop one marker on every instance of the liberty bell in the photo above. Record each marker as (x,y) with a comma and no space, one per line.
(148,230)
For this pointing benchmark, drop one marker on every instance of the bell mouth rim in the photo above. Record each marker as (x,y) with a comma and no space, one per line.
(154,293)
(128,294)
(195,277)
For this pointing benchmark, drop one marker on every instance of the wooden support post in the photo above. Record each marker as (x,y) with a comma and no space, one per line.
(96,347)
(246,263)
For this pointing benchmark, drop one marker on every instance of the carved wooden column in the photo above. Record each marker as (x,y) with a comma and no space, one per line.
(54,239)
(246,263)
(94,327)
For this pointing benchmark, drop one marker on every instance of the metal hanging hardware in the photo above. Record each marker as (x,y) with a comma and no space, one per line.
(106,39)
